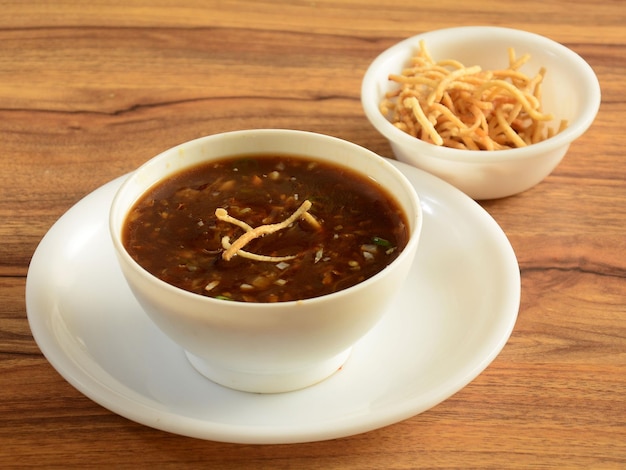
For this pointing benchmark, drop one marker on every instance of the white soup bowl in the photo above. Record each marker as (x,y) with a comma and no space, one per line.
(266,347)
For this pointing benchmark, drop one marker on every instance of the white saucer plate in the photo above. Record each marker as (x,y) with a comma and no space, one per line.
(453,317)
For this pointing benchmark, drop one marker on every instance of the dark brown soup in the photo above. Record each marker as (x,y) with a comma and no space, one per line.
(344,229)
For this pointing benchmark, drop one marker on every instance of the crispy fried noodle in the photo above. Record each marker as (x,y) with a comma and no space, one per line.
(448,104)
(250,233)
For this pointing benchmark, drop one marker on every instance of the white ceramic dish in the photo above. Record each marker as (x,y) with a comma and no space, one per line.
(256,346)
(570,91)
(451,320)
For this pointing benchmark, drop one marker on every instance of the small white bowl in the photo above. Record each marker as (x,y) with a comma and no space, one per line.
(261,347)
(570,91)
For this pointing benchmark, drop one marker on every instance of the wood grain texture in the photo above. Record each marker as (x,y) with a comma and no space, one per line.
(88,91)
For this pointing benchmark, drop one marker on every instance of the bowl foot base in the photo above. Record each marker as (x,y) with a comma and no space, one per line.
(269,382)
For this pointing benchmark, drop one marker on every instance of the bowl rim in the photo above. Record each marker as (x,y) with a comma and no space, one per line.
(115,211)
(575,128)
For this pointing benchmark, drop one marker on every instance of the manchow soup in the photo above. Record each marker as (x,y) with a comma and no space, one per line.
(265,228)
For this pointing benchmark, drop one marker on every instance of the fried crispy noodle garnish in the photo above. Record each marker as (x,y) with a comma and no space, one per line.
(236,248)
(451,105)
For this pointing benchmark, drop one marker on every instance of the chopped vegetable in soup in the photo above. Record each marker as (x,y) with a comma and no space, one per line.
(265,228)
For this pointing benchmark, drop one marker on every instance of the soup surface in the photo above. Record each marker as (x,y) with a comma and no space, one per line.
(338,229)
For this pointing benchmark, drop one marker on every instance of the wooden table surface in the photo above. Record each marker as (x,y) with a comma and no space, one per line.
(90,90)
